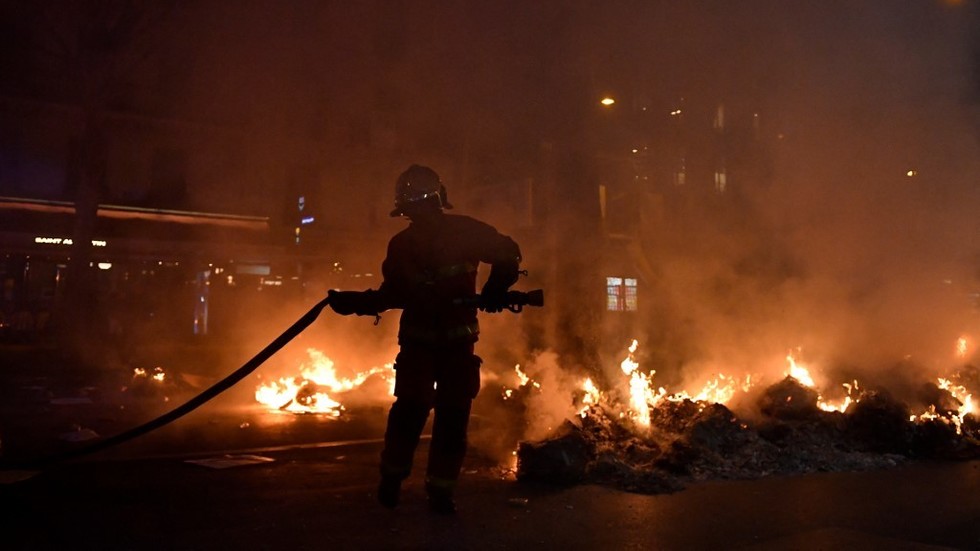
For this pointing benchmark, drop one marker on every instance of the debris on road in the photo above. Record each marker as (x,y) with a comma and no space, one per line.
(228,461)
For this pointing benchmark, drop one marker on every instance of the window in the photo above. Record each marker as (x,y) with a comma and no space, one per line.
(679,178)
(719,122)
(721,181)
(621,294)
(679,174)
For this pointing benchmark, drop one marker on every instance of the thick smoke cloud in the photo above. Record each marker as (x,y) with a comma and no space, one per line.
(862,252)
(860,256)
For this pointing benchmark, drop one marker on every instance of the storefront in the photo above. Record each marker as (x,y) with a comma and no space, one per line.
(172,270)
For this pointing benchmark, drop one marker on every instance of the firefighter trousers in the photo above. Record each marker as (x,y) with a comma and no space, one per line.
(445,378)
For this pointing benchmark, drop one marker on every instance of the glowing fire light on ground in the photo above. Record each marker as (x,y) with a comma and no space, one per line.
(631,436)
(798,372)
(721,389)
(317,387)
(523,381)
(642,394)
(802,375)
(590,396)
(635,426)
(962,395)
(853,395)
(157,374)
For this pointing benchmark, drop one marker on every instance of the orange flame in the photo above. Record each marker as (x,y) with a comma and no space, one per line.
(719,390)
(591,396)
(802,374)
(314,389)
(966,399)
(799,372)
(157,374)
(523,380)
(853,396)
(642,395)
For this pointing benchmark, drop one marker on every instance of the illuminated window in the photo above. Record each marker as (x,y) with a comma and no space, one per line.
(630,298)
(621,294)
(680,172)
(719,122)
(721,181)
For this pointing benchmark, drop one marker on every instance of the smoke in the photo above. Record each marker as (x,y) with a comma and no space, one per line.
(861,250)
(856,250)
(554,402)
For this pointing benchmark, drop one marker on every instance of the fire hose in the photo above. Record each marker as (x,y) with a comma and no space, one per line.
(516,301)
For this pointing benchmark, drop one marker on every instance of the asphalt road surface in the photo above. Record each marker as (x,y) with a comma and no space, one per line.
(309,482)
(321,496)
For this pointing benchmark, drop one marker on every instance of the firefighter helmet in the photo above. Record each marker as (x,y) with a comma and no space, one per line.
(418,183)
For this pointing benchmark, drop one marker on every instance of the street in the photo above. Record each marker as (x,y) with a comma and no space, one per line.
(318,497)
(309,482)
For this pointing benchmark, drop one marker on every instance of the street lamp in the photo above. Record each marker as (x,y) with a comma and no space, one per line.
(607,101)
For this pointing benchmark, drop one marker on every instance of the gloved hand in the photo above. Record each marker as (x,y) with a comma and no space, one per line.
(346,303)
(493,301)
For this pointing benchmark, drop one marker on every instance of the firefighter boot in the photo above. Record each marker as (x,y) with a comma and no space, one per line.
(389,490)
(440,499)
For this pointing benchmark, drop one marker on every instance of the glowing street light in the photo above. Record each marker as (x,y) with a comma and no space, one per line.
(607,101)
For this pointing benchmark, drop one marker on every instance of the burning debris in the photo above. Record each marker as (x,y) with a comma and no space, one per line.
(155,384)
(157,374)
(654,441)
(318,388)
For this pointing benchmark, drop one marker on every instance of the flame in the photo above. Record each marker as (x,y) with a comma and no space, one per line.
(157,375)
(590,397)
(720,390)
(521,375)
(642,395)
(802,375)
(853,396)
(523,380)
(960,392)
(314,389)
(966,399)
(798,372)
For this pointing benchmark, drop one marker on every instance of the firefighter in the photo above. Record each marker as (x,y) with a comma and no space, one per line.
(429,266)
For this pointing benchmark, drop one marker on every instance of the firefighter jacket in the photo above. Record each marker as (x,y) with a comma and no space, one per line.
(432,264)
